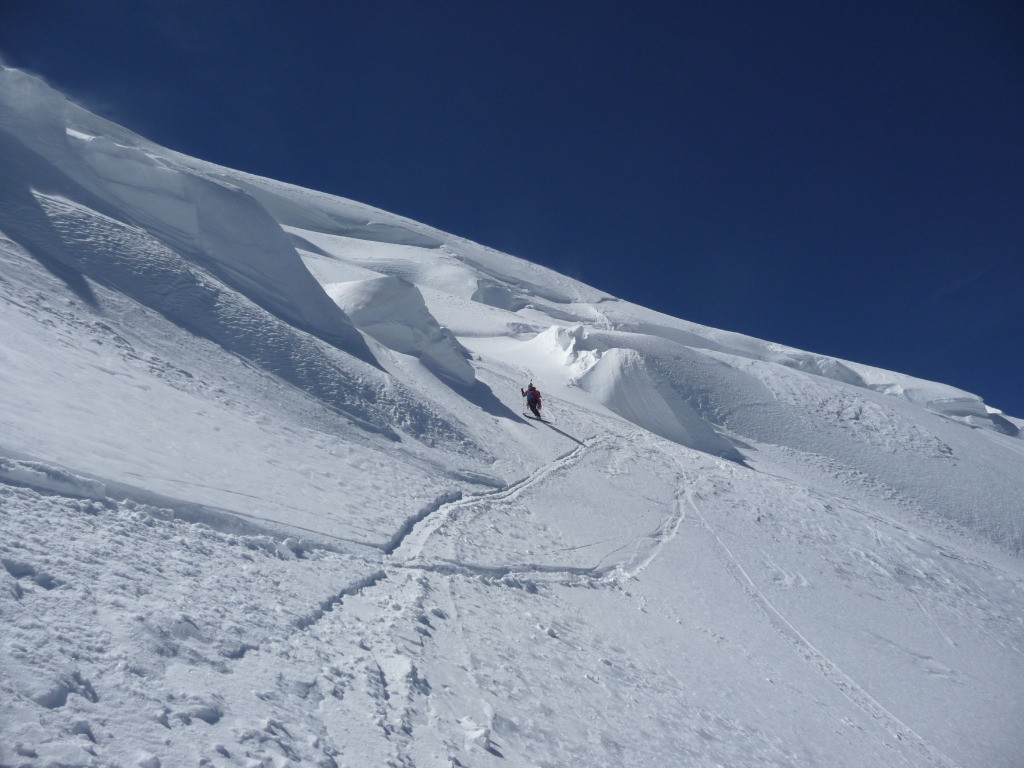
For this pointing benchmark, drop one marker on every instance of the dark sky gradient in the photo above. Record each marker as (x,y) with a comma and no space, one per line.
(848,180)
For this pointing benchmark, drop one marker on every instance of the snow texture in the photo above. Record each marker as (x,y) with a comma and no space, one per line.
(267,498)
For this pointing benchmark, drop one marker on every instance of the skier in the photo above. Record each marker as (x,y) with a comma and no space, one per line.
(532,395)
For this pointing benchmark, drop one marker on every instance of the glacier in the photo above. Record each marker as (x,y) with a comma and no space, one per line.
(268,498)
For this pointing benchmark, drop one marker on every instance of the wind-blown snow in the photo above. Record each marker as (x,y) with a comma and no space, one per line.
(267,497)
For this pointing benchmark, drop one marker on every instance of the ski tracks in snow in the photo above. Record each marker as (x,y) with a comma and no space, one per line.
(339,680)
(407,549)
(390,616)
(368,637)
(820,662)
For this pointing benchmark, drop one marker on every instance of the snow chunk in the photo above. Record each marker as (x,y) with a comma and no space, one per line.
(495,294)
(568,347)
(79,135)
(475,735)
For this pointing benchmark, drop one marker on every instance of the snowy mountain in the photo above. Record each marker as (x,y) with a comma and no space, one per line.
(269,498)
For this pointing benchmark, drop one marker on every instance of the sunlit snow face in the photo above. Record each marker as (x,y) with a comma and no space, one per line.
(266,492)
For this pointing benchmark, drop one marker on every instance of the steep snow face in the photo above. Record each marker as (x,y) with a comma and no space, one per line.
(266,496)
(213,224)
(225,230)
(392,310)
(620,381)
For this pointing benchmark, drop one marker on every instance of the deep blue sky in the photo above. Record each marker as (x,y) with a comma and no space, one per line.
(845,178)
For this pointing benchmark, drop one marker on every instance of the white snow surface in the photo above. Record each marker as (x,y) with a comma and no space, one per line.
(268,498)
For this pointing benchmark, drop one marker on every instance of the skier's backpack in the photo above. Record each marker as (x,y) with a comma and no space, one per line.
(533,396)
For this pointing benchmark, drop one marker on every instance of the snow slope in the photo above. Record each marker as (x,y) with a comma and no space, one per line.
(267,498)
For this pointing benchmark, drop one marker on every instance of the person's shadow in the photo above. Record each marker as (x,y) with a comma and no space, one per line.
(553,428)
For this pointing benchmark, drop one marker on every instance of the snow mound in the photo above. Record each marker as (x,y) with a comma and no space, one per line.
(946,401)
(134,263)
(941,399)
(391,310)
(569,347)
(621,381)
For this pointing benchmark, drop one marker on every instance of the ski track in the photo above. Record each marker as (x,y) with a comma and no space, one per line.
(403,554)
(336,600)
(408,546)
(1002,442)
(666,532)
(399,702)
(407,527)
(817,660)
(382,664)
